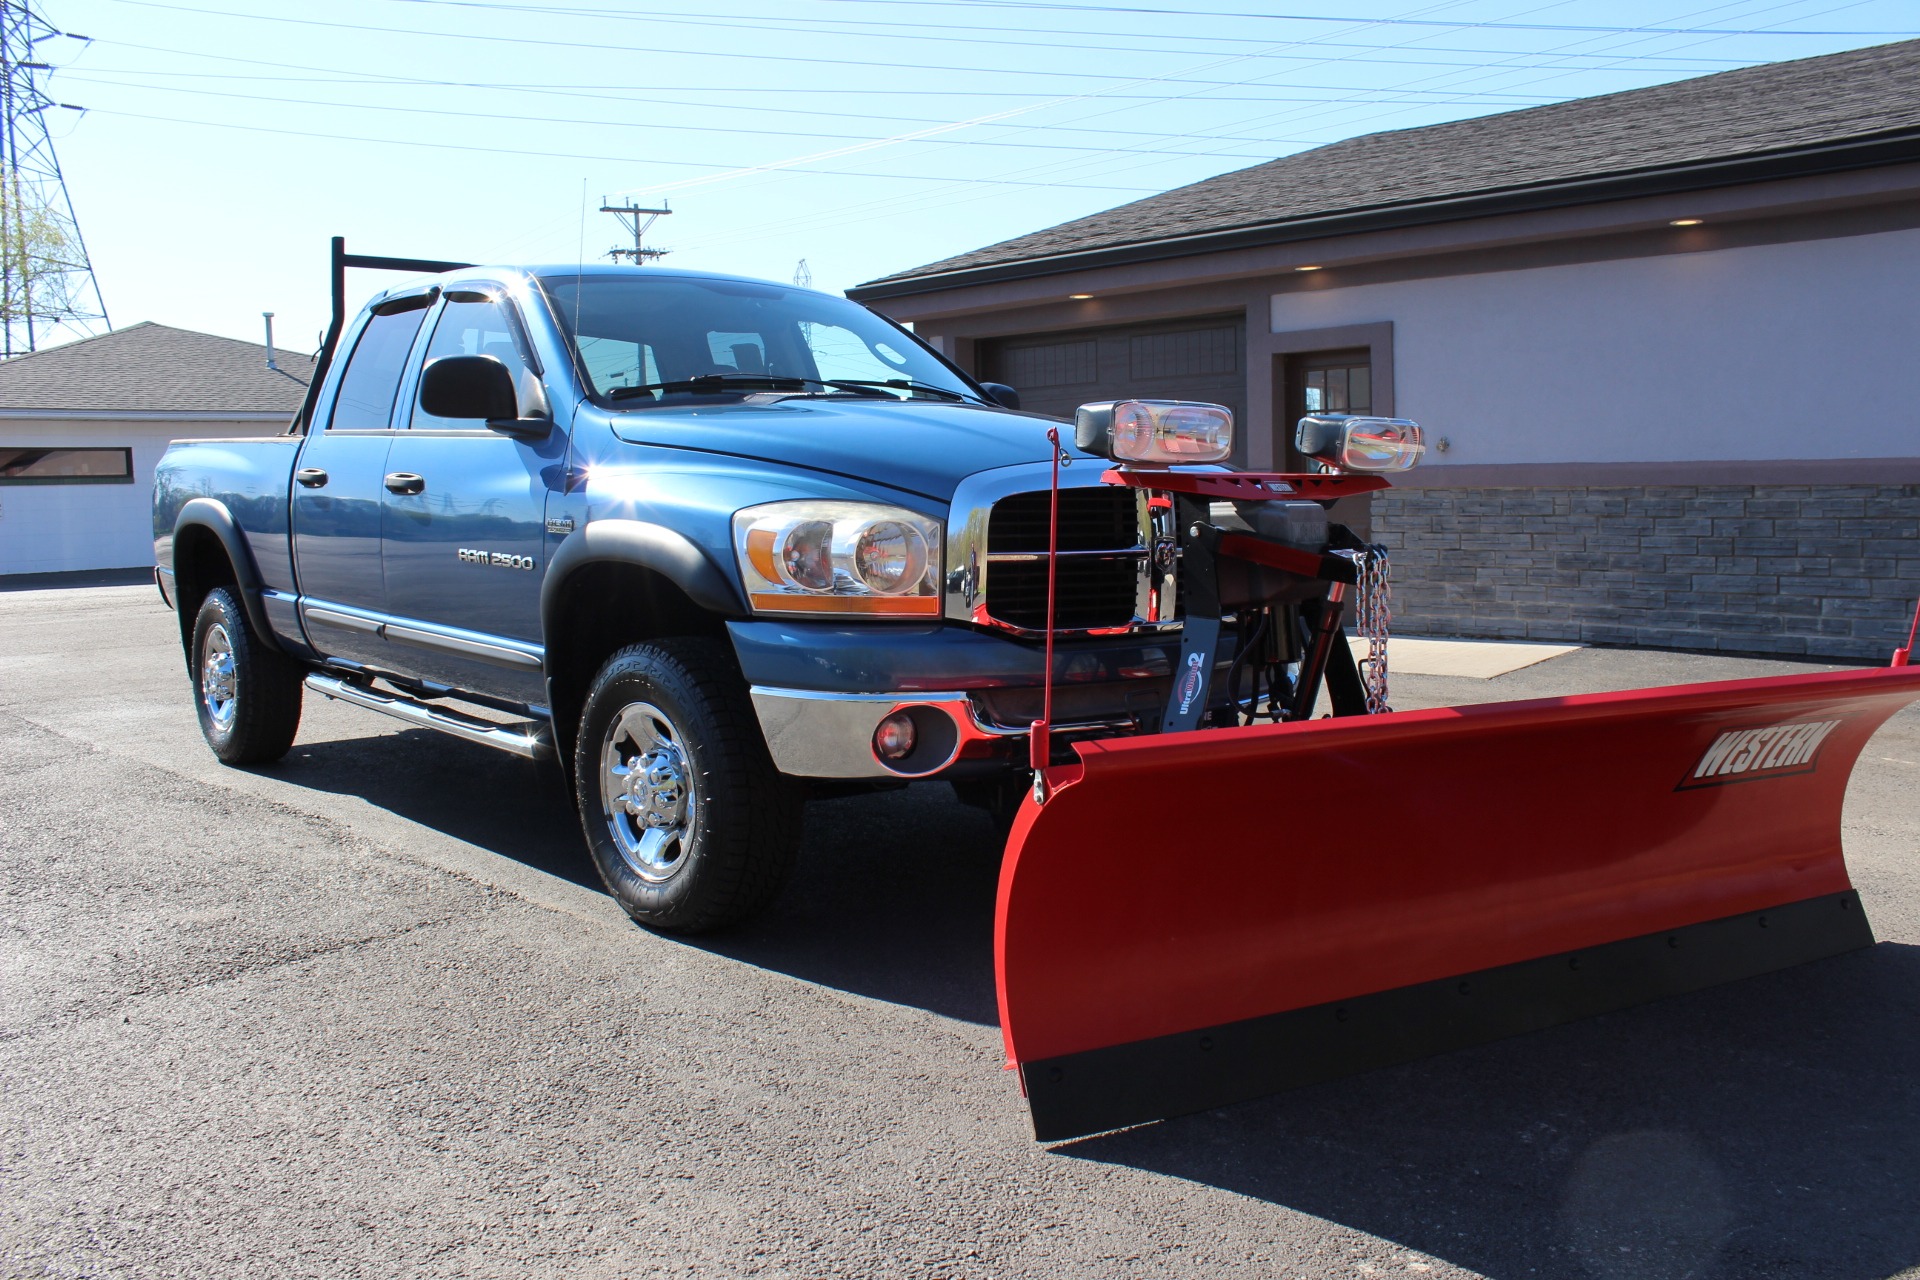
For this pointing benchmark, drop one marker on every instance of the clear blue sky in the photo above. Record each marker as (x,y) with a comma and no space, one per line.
(226,140)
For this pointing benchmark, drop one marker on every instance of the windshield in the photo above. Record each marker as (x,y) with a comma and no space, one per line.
(647,337)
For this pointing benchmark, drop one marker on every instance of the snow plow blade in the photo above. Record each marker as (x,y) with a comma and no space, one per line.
(1194,919)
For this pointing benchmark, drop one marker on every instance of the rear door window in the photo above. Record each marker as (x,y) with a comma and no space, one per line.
(372,378)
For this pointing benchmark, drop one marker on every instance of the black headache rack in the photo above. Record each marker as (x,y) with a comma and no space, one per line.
(341,260)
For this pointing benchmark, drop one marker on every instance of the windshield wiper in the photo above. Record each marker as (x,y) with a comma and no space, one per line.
(718,382)
(709,382)
(900,384)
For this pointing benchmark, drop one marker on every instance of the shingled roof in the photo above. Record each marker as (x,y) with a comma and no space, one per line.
(1841,110)
(154,368)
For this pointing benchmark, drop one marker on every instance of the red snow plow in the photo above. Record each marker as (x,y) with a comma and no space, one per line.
(1497,868)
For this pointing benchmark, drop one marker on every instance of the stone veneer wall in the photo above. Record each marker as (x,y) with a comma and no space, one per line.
(1822,570)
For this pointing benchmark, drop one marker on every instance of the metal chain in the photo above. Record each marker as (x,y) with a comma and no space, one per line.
(1372,620)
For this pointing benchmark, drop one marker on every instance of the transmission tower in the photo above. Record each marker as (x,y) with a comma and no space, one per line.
(630,215)
(47,285)
(802,276)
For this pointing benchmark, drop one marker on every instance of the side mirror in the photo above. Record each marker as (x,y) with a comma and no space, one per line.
(478,387)
(468,387)
(1001,394)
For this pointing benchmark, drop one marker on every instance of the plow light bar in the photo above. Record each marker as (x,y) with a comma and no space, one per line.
(1155,433)
(1348,442)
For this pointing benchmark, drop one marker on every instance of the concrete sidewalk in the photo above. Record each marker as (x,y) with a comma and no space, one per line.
(1470,659)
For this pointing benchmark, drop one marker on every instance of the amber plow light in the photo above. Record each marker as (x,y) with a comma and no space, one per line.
(1348,442)
(1155,433)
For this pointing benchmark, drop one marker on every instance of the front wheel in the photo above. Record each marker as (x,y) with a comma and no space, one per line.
(247,696)
(690,826)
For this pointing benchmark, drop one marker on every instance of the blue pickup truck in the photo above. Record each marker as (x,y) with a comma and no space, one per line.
(714,544)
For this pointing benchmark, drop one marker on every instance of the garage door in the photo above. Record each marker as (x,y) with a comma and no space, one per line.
(1180,360)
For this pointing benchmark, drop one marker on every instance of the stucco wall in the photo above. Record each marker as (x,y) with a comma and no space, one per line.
(1780,351)
(57,528)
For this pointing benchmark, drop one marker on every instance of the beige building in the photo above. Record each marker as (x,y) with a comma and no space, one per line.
(1661,342)
(82,425)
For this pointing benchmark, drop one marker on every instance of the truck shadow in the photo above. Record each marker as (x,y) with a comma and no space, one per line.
(892,896)
(1769,1128)
(516,808)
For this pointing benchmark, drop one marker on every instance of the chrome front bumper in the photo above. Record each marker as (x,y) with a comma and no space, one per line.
(830,735)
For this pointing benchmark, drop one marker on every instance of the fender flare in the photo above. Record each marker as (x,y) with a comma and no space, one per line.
(213,515)
(667,552)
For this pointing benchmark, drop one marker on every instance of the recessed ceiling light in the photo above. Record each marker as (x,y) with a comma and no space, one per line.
(1314,267)
(1079,297)
(1686,222)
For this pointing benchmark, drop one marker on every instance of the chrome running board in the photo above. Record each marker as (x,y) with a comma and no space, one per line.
(528,738)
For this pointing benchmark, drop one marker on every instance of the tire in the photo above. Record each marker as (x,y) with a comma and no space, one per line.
(689,824)
(246,696)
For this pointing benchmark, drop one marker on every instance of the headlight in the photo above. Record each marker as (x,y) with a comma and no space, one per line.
(839,557)
(1352,443)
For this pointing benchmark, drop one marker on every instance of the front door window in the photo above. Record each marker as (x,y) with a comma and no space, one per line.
(1341,388)
(476,326)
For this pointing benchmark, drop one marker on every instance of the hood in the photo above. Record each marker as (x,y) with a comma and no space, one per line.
(922,447)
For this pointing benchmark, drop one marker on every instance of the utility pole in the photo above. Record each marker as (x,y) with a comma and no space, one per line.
(630,215)
(47,282)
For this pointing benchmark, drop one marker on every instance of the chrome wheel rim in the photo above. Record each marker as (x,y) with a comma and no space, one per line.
(218,693)
(647,792)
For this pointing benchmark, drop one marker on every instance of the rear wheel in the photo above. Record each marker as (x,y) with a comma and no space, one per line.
(247,697)
(690,826)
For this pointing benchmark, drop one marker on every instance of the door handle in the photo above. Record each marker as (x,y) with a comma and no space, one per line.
(405,482)
(312,477)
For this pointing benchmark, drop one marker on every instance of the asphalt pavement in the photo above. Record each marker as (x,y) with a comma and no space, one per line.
(367,1013)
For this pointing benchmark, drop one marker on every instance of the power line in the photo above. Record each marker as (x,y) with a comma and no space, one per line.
(1400,97)
(731,55)
(1111,162)
(600,156)
(897,204)
(1049,5)
(919,30)
(654,101)
(765,171)
(598,91)
(578,91)
(742,132)
(721,172)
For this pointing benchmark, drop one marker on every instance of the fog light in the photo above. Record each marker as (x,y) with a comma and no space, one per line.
(893,740)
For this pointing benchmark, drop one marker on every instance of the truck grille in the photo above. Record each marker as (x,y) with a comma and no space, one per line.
(1099,578)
